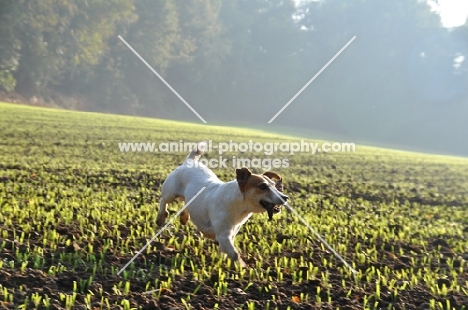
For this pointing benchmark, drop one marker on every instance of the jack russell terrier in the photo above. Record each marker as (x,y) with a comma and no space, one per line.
(222,207)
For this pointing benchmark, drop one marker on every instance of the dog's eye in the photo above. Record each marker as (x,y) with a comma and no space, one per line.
(263,186)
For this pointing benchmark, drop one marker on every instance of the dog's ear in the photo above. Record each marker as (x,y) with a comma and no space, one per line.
(275,177)
(272,175)
(242,175)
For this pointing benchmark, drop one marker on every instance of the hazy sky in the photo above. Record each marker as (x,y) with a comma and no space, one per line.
(452,13)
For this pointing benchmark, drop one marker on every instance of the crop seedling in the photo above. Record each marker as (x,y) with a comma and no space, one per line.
(75,207)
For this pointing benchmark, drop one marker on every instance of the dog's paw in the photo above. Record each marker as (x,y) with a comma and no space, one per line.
(161,218)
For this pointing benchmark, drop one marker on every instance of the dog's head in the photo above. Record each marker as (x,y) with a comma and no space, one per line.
(263,191)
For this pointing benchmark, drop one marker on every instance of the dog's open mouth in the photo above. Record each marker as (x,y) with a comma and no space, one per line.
(271,208)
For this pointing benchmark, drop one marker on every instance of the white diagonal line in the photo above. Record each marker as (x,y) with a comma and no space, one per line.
(160,231)
(312,79)
(164,81)
(317,234)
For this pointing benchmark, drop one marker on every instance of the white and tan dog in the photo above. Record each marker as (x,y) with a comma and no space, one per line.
(222,207)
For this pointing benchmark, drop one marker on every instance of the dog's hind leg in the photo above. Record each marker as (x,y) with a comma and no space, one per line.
(162,214)
(184,217)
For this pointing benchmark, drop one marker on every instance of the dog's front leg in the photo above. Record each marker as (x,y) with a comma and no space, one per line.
(226,245)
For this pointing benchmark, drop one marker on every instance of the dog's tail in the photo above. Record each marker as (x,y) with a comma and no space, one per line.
(197,151)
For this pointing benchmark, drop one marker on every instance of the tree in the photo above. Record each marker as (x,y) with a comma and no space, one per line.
(53,40)
(260,74)
(364,92)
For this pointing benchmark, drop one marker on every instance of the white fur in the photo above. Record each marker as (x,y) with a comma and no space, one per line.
(220,209)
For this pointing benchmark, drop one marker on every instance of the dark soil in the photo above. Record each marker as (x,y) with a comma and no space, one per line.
(286,293)
(263,295)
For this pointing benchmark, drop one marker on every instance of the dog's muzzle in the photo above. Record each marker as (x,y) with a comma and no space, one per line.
(273,208)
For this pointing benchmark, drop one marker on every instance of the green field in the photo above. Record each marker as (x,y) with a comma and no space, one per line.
(74,210)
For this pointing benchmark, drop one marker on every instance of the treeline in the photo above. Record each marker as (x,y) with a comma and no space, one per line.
(243,60)
(70,48)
